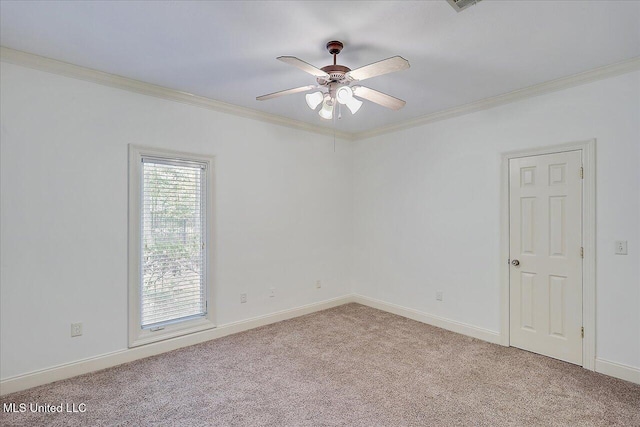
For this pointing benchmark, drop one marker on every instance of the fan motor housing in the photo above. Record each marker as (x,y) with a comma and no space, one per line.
(336,72)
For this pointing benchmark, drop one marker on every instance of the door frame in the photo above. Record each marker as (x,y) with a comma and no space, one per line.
(588,149)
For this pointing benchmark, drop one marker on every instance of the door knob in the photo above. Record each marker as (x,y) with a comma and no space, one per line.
(515,262)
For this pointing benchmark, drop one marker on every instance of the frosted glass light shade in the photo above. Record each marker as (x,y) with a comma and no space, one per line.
(327,111)
(344,94)
(314,99)
(354,105)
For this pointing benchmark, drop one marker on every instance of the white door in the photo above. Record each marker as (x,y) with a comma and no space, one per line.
(545,239)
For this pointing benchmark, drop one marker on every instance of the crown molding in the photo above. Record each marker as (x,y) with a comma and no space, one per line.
(517,95)
(69,70)
(66,69)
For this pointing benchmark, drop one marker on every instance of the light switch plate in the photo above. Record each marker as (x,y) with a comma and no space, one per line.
(76,329)
(621,247)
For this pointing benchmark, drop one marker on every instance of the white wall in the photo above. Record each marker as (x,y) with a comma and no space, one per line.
(283,209)
(427,207)
(395,217)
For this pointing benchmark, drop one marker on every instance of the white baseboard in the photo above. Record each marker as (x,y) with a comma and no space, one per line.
(68,370)
(618,370)
(60,372)
(440,322)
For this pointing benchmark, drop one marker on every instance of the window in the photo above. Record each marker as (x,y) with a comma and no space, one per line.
(169,244)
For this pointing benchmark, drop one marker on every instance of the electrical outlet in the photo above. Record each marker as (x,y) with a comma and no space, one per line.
(621,247)
(76,329)
(439,295)
(272,292)
(243,298)
(318,284)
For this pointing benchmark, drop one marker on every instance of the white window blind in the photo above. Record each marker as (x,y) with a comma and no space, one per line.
(173,282)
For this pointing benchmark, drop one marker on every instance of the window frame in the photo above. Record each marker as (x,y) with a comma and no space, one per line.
(137,335)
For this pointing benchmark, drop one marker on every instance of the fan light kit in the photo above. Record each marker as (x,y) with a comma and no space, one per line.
(335,84)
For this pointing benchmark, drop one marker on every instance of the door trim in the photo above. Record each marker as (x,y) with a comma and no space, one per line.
(588,149)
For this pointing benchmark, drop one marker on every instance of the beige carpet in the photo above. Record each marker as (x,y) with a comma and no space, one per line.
(349,366)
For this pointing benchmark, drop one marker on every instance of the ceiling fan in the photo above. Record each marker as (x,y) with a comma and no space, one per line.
(337,83)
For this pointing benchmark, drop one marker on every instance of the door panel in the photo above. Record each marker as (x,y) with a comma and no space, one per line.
(557,310)
(545,203)
(557,229)
(527,225)
(527,318)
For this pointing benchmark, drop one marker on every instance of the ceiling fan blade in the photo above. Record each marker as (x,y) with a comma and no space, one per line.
(389,65)
(378,97)
(285,92)
(304,66)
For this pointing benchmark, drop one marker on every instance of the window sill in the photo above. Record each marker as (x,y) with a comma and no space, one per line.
(146,336)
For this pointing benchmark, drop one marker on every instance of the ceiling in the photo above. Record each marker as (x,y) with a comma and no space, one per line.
(226,50)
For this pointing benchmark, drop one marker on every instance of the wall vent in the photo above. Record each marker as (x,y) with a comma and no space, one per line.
(460,5)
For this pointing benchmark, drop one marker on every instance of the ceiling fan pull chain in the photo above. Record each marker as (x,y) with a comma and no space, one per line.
(334,129)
